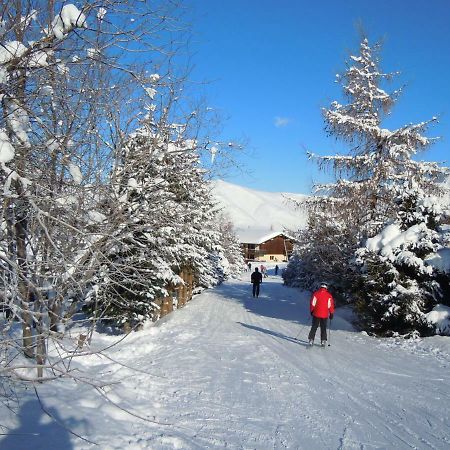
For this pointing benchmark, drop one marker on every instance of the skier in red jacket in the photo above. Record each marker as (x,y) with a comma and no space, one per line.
(321,307)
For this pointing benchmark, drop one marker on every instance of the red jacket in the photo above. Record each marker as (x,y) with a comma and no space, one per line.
(321,304)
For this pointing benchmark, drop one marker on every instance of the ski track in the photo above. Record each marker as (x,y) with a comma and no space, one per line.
(227,372)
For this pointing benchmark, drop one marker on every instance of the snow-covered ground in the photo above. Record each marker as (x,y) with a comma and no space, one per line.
(227,371)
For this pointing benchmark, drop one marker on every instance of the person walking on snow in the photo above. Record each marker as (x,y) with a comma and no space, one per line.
(256,280)
(321,307)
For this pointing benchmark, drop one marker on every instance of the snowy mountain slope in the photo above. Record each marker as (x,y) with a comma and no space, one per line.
(251,209)
(227,372)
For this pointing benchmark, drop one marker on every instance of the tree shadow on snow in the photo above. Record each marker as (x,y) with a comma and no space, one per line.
(275,334)
(38,430)
(275,300)
(279,302)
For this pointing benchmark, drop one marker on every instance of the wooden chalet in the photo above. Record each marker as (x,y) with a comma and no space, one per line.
(263,246)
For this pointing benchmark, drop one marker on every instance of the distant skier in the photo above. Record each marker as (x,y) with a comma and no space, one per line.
(321,307)
(256,280)
(264,271)
(276,269)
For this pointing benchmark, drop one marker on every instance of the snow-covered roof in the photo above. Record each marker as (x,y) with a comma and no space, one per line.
(258,236)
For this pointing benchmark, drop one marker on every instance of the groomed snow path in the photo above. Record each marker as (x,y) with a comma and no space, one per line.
(227,372)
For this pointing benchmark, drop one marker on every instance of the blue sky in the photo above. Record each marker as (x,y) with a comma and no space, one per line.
(271,66)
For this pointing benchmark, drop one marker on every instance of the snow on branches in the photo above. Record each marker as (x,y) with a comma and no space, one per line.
(379,187)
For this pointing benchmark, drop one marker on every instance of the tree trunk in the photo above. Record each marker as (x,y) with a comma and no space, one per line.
(23,288)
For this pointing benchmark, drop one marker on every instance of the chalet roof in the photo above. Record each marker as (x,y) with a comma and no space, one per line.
(258,236)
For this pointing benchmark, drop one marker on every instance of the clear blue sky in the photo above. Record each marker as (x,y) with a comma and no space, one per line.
(269,59)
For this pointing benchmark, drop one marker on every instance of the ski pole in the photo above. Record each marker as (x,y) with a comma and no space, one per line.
(329,334)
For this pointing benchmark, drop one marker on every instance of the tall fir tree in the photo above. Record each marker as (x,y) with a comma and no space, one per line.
(166,216)
(356,205)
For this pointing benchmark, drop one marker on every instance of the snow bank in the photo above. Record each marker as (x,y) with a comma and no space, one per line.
(382,239)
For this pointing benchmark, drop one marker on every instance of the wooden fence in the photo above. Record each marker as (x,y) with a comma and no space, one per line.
(178,295)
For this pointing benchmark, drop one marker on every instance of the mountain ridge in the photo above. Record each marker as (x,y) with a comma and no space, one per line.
(258,211)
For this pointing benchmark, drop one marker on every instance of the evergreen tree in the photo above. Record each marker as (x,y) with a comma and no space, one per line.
(232,258)
(135,268)
(166,216)
(358,203)
(396,288)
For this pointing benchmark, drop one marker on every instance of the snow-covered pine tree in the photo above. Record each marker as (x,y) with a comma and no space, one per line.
(166,225)
(396,287)
(232,257)
(293,274)
(358,203)
(135,268)
(195,208)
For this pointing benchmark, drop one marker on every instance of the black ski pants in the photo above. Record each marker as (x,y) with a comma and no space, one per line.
(323,328)
(256,289)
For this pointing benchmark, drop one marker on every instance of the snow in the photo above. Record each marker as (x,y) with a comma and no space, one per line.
(69,18)
(154,77)
(3,78)
(75,172)
(96,217)
(151,92)
(213,152)
(256,236)
(258,213)
(440,260)
(227,371)
(38,59)
(66,200)
(6,149)
(10,50)
(92,53)
(132,183)
(18,121)
(101,13)
(440,318)
(392,237)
